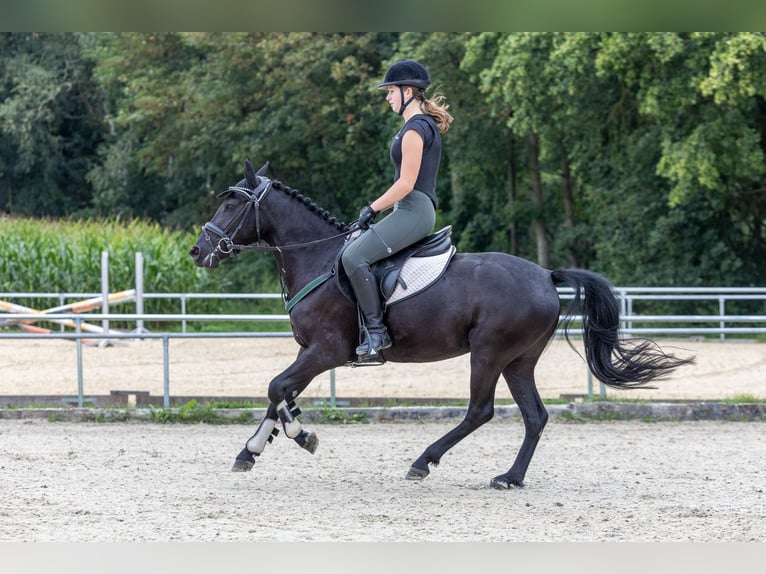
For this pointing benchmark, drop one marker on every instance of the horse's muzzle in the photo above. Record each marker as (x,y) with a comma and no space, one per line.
(209,260)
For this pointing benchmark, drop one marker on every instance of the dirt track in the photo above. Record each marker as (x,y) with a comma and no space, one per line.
(617,481)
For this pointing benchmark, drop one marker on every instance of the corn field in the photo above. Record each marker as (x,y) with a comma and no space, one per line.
(60,256)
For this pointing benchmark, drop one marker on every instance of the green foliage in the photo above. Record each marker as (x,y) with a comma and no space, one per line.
(210,413)
(50,123)
(336,416)
(112,416)
(638,155)
(189,108)
(237,405)
(43,255)
(744,399)
(190,413)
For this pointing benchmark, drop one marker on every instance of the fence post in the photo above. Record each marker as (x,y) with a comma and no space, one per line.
(722,313)
(165,372)
(78,330)
(183,312)
(105,289)
(139,291)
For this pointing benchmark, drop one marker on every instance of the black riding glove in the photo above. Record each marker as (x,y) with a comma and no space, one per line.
(366,216)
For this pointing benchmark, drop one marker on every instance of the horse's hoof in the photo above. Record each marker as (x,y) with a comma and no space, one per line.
(242,465)
(244,461)
(504,483)
(416,473)
(308,440)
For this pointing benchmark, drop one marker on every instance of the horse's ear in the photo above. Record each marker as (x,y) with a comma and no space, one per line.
(250,176)
(262,171)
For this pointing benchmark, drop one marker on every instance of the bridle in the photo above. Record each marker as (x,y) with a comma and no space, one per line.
(226,245)
(253,198)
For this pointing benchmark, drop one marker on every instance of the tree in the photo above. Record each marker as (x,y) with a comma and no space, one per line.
(189,108)
(50,121)
(650,145)
(537,83)
(639,155)
(700,116)
(477,170)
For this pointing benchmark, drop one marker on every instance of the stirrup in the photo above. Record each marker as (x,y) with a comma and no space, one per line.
(368,361)
(363,356)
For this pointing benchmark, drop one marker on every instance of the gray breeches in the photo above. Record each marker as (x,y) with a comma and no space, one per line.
(412,219)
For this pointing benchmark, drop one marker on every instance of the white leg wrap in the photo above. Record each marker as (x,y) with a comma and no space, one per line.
(291,425)
(256,443)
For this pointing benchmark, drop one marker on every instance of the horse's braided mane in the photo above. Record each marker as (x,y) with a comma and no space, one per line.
(310,204)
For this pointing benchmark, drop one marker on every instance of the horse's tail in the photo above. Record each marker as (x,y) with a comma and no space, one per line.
(617,362)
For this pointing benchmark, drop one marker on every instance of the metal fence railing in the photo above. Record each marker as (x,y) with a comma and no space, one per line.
(83,325)
(634,320)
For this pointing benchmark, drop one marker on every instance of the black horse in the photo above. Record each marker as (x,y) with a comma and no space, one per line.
(501,309)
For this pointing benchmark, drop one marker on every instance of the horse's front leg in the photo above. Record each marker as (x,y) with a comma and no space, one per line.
(288,416)
(283,390)
(266,432)
(254,446)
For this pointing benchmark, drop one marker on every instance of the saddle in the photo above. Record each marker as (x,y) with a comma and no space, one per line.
(408,271)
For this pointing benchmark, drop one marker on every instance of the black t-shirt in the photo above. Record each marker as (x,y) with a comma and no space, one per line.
(432,151)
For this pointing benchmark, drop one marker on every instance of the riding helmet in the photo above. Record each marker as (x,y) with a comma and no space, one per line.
(406,73)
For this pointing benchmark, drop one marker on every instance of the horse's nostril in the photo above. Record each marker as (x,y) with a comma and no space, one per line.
(194,251)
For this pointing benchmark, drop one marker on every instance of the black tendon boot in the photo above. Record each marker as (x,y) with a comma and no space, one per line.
(368,298)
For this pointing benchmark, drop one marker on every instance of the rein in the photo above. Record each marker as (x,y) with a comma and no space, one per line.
(267,247)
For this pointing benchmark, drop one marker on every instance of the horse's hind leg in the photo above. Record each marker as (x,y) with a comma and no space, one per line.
(480,410)
(521,381)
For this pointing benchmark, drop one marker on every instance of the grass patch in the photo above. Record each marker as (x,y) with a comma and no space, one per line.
(112,416)
(550,402)
(335,416)
(238,326)
(209,413)
(736,399)
(191,412)
(237,405)
(604,416)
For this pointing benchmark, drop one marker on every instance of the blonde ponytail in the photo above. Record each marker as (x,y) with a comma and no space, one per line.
(437,107)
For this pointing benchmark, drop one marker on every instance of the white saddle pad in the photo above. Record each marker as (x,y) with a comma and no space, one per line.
(418,273)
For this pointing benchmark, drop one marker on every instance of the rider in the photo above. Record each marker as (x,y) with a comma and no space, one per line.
(415,154)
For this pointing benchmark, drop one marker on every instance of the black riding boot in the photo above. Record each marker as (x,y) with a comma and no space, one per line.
(368,297)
